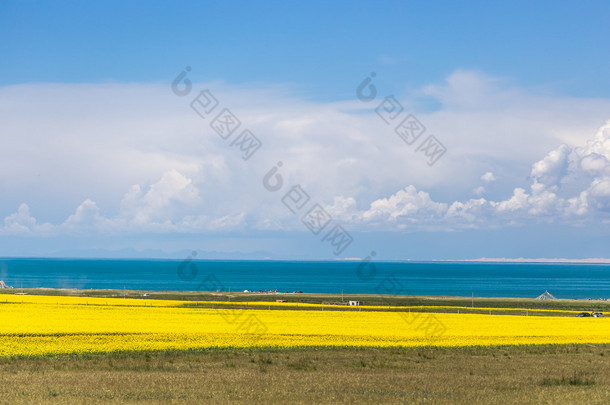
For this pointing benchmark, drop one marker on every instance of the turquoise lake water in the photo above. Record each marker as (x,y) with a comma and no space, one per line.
(412,278)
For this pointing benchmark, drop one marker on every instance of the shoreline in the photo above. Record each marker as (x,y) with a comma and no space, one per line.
(322,298)
(518,260)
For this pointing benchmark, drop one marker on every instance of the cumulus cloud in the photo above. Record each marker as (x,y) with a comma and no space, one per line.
(86,217)
(161,200)
(161,207)
(568,184)
(488,177)
(22,223)
(550,170)
(407,203)
(598,194)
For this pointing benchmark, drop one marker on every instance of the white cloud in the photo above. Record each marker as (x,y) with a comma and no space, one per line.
(553,167)
(471,211)
(407,203)
(519,201)
(488,177)
(22,223)
(479,191)
(87,214)
(136,158)
(162,199)
(595,164)
(599,194)
(561,190)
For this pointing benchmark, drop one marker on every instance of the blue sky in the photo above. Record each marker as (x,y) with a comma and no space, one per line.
(321,46)
(98,155)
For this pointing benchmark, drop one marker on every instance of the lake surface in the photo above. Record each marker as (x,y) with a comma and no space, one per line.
(413,278)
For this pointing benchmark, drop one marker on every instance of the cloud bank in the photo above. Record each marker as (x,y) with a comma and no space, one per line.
(134,158)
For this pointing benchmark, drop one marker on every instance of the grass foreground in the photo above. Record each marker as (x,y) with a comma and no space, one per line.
(436,375)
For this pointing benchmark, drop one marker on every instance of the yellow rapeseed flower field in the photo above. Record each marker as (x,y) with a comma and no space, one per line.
(38,325)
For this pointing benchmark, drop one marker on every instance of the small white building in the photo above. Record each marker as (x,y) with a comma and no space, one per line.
(354,303)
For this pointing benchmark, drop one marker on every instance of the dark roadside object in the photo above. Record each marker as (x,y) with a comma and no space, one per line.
(597,314)
(583,315)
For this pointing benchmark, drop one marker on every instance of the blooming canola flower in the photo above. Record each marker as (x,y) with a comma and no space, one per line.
(41,325)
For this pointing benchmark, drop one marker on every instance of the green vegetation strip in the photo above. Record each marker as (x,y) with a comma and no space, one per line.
(515,306)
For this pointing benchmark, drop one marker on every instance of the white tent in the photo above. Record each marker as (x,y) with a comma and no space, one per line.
(545,296)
